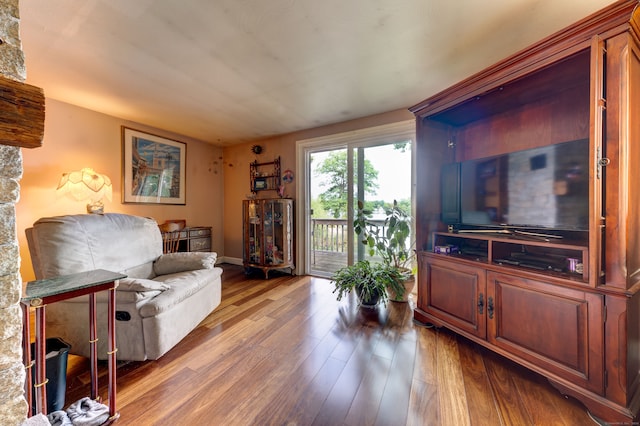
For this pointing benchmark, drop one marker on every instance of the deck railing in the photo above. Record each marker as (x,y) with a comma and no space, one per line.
(330,235)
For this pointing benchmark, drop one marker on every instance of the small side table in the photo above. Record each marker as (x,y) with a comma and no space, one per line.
(42,292)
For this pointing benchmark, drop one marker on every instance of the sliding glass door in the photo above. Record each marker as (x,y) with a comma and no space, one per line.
(328,235)
(337,178)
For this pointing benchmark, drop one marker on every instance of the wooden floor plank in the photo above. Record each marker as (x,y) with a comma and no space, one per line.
(510,406)
(309,384)
(453,409)
(365,404)
(480,397)
(394,405)
(426,360)
(338,403)
(541,401)
(283,351)
(423,404)
(310,402)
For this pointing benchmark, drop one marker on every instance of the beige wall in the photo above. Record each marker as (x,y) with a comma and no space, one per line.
(236,169)
(76,138)
(217,179)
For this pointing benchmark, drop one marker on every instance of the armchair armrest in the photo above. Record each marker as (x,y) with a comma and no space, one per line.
(172,263)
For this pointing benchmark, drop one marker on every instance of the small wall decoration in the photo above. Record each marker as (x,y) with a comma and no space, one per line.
(153,169)
(287,177)
(260,183)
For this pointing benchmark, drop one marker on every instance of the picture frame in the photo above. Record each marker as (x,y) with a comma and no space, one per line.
(153,169)
(260,184)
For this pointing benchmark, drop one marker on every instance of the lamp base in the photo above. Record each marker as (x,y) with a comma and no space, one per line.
(97,207)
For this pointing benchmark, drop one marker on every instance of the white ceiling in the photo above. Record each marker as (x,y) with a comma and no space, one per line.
(230,71)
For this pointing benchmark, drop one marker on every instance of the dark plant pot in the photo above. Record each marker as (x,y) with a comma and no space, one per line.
(374,297)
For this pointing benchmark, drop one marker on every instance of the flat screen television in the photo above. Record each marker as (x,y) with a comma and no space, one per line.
(539,188)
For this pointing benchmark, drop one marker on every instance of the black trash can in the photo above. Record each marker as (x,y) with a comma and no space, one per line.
(56,355)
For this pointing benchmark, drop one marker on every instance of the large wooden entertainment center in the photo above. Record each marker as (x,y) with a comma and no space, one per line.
(580,329)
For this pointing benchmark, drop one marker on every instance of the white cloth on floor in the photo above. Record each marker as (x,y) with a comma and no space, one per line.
(59,418)
(87,412)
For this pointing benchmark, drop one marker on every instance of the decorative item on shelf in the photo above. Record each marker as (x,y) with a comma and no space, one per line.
(287,176)
(260,183)
(86,185)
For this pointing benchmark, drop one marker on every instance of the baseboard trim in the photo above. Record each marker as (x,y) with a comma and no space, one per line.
(231,260)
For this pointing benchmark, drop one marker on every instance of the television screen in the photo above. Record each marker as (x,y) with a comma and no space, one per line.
(545,187)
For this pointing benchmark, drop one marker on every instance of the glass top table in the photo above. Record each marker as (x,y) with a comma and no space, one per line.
(84,282)
(37,295)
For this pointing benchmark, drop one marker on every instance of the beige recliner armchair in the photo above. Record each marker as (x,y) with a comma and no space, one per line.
(163,298)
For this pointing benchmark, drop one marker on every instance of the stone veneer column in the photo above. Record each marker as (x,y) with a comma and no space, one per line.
(13,405)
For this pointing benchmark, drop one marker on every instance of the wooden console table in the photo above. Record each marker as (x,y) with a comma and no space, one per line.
(42,292)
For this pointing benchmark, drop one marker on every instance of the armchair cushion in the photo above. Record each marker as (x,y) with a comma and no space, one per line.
(182,285)
(141,285)
(172,263)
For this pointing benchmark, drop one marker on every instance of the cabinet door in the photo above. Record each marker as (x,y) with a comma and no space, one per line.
(252,232)
(273,232)
(453,292)
(287,232)
(557,328)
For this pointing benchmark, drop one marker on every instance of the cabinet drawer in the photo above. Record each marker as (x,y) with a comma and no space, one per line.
(200,244)
(199,232)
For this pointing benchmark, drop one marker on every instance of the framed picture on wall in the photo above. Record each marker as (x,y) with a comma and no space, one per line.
(260,183)
(153,169)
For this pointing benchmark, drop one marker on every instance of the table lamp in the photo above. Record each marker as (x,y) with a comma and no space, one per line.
(86,185)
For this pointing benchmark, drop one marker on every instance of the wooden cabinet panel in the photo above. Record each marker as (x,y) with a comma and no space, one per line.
(576,323)
(200,244)
(455,294)
(557,328)
(199,238)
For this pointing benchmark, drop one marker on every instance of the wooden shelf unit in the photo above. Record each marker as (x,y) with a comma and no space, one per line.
(542,257)
(265,176)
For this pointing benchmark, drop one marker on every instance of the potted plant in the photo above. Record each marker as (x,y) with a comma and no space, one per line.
(370,281)
(390,241)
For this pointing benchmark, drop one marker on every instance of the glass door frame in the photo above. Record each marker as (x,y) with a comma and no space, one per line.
(362,138)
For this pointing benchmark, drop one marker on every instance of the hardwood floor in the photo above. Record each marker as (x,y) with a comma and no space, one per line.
(284,352)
